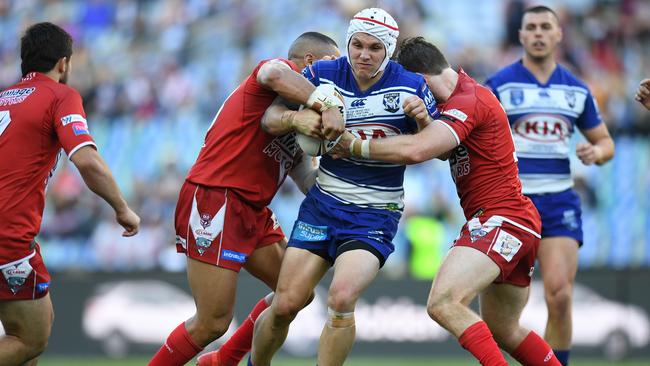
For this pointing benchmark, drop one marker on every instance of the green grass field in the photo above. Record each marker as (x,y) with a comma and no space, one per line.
(54,361)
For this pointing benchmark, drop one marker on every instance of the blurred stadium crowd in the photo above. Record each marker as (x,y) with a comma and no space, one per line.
(154,73)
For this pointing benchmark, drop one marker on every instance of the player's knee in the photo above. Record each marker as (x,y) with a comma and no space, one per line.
(336,319)
(36,344)
(559,298)
(285,308)
(342,299)
(438,305)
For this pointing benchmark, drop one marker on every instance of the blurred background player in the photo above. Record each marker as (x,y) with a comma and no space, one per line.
(39,116)
(222,219)
(494,254)
(545,103)
(643,93)
(350,216)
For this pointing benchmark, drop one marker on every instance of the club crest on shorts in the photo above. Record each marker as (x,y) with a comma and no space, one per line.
(206,220)
(391,102)
(202,244)
(506,245)
(203,237)
(570,220)
(476,234)
(16,275)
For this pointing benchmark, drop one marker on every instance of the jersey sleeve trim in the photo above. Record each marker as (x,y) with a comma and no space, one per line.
(450,129)
(85,143)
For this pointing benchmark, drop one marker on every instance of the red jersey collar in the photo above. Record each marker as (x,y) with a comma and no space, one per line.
(36,76)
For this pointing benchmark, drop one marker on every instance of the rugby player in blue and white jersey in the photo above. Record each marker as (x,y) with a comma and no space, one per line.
(350,216)
(545,103)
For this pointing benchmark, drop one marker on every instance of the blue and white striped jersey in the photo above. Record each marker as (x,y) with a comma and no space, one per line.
(543,118)
(374,113)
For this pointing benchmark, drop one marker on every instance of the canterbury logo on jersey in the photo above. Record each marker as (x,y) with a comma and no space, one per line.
(358,103)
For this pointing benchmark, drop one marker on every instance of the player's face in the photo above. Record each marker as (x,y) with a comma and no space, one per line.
(540,34)
(366,55)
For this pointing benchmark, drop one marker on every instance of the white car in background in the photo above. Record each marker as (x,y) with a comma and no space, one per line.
(136,312)
(597,322)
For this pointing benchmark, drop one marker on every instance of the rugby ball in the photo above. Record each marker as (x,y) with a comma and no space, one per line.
(315,146)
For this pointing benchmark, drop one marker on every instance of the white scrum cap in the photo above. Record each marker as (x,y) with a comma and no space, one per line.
(379,24)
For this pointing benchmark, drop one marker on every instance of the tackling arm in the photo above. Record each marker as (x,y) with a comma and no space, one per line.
(433,141)
(304,172)
(293,87)
(279,120)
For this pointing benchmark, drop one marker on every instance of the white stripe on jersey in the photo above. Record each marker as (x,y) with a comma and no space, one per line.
(578,89)
(346,93)
(400,88)
(365,162)
(360,195)
(545,183)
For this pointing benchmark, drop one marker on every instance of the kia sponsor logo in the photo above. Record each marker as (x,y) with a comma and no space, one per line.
(542,128)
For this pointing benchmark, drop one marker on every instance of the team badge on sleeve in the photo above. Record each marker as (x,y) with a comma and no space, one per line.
(78,123)
(456,114)
(72,118)
(80,129)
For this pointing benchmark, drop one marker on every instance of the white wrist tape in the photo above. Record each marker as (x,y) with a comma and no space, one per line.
(319,102)
(352,146)
(365,149)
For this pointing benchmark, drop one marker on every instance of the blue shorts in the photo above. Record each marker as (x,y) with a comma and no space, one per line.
(561,214)
(329,231)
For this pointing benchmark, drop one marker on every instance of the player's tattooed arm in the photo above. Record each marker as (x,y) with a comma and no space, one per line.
(280,119)
(290,85)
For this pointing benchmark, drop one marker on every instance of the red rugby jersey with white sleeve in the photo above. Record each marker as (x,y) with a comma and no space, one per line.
(483,165)
(237,154)
(38,117)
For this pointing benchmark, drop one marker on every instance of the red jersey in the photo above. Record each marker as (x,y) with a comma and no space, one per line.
(484,165)
(238,154)
(38,117)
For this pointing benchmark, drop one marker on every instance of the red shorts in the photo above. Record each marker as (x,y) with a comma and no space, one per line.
(214,226)
(510,245)
(25,278)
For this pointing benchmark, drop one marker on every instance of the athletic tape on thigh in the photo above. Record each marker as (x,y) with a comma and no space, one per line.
(340,320)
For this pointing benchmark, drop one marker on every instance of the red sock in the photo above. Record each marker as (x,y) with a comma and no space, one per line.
(534,351)
(235,348)
(478,340)
(178,349)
